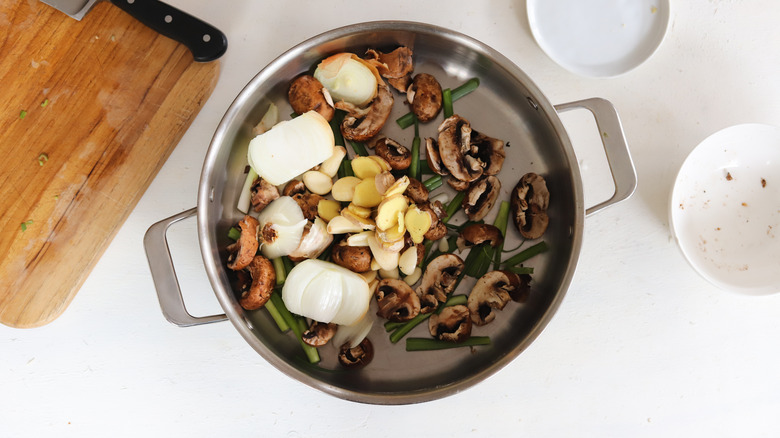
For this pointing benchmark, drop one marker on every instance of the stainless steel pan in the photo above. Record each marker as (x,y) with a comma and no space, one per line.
(507,105)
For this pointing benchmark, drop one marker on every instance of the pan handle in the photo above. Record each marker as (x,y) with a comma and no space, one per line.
(164,274)
(614,140)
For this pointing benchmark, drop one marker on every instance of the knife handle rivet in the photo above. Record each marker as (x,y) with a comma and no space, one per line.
(168,18)
(206,38)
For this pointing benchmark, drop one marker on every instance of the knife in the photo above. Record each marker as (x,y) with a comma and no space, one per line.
(206,42)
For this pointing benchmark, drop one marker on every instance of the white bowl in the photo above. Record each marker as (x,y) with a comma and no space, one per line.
(598,38)
(725,209)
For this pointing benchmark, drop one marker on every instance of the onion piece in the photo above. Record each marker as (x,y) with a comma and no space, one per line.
(326,292)
(348,78)
(314,242)
(245,199)
(281,227)
(291,148)
(355,333)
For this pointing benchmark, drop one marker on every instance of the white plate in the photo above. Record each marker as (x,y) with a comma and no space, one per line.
(725,209)
(598,38)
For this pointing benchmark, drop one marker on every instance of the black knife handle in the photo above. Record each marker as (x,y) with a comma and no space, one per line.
(205,41)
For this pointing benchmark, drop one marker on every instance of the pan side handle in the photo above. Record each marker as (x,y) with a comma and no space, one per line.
(164,274)
(614,140)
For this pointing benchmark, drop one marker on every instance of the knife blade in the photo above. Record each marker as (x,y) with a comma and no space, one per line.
(205,41)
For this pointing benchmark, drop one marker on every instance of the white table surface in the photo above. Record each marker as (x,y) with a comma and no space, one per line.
(641,346)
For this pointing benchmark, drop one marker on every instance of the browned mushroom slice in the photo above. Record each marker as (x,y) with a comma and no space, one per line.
(243,251)
(492,291)
(397,155)
(416,191)
(395,66)
(437,212)
(476,234)
(319,333)
(455,149)
(529,202)
(453,324)
(438,281)
(263,281)
(308,203)
(396,300)
(354,258)
(490,151)
(263,193)
(481,197)
(306,94)
(401,84)
(425,97)
(458,185)
(358,356)
(433,157)
(364,124)
(521,293)
(294,187)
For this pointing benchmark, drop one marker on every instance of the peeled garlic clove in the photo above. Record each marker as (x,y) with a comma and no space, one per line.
(317,182)
(386,260)
(291,147)
(330,166)
(408,260)
(414,276)
(342,225)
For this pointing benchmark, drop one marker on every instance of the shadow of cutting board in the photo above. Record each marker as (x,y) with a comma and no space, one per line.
(89,112)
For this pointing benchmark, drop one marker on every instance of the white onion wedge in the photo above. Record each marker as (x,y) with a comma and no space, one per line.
(291,148)
(281,227)
(355,333)
(326,292)
(348,78)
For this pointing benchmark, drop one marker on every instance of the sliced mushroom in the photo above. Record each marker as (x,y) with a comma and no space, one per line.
(492,291)
(294,187)
(520,295)
(243,251)
(455,149)
(438,229)
(397,155)
(490,151)
(263,193)
(396,300)
(356,357)
(308,203)
(362,125)
(306,94)
(416,191)
(529,202)
(438,281)
(319,333)
(395,66)
(263,281)
(425,97)
(433,157)
(477,234)
(354,258)
(453,324)
(458,185)
(481,197)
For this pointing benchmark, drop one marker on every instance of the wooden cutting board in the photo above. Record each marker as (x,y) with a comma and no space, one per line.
(89,112)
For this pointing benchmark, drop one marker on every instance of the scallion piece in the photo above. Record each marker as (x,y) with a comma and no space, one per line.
(273,310)
(520,270)
(406,120)
(454,206)
(335,125)
(359,148)
(414,168)
(446,103)
(281,272)
(433,183)
(526,254)
(234,233)
(501,220)
(425,169)
(425,344)
(465,89)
